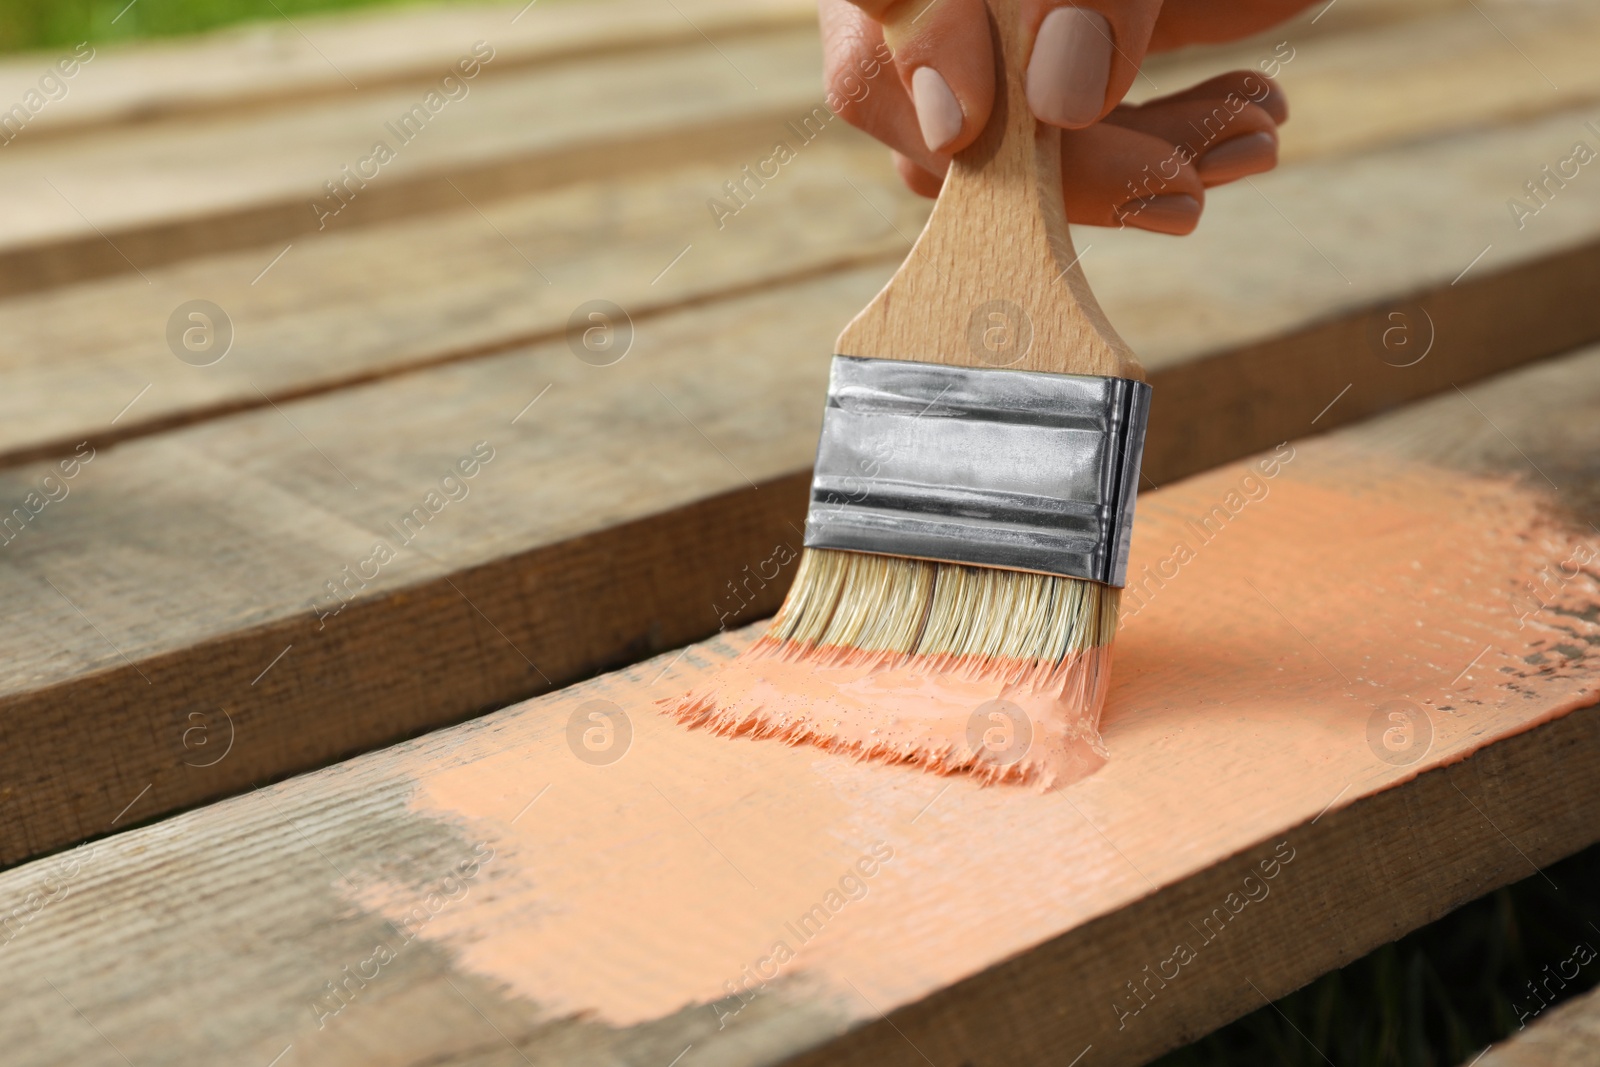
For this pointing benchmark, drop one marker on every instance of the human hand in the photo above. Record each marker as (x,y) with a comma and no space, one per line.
(1146,166)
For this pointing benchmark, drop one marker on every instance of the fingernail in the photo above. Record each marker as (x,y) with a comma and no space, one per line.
(938,110)
(1231,160)
(1175,213)
(1070,68)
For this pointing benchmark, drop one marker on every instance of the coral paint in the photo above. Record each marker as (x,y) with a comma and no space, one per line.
(1021,721)
(1250,676)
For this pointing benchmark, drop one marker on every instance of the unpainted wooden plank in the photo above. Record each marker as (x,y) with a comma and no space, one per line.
(1373,86)
(340,53)
(1409,271)
(1565,1035)
(116,201)
(197,184)
(1346,269)
(346,307)
(276,60)
(502,890)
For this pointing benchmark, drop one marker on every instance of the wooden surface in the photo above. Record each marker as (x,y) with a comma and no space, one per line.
(138,307)
(322,55)
(188,559)
(1563,1036)
(1413,70)
(117,200)
(581,912)
(256,160)
(92,348)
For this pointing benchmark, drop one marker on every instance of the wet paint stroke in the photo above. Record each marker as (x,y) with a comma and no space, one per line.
(1022,721)
(1243,702)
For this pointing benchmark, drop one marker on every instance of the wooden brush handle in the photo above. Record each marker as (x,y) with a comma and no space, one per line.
(993,280)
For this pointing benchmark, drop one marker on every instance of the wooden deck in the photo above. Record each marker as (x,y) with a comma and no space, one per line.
(184,628)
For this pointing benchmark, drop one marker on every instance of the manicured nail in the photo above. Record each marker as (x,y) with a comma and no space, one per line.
(938,110)
(1070,68)
(1231,160)
(1175,213)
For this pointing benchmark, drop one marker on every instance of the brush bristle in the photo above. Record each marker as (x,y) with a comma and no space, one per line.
(913,607)
(942,642)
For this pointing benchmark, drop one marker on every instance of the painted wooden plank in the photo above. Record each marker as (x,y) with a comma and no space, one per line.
(195,556)
(1344,711)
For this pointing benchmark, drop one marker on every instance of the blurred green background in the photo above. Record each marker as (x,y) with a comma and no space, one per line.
(33,24)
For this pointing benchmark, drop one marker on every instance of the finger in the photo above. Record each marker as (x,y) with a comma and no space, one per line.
(1116,176)
(945,58)
(1186,22)
(1259,89)
(863,87)
(1225,136)
(1112,176)
(1085,56)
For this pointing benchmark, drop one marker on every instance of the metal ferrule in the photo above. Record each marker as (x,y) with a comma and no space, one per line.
(995,468)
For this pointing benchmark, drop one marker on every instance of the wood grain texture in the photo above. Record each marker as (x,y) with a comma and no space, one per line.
(996,253)
(1365,86)
(1251,281)
(271,61)
(1251,317)
(251,174)
(202,603)
(178,567)
(337,54)
(1004,926)
(357,306)
(1299,269)
(1563,1036)
(259,179)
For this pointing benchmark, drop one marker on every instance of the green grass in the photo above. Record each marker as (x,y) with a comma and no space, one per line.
(26,25)
(1436,996)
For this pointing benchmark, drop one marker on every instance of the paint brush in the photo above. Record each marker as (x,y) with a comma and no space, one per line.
(971,504)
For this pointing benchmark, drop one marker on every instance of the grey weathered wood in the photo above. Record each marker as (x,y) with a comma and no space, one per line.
(647,93)
(179,566)
(112,201)
(1358,240)
(345,308)
(200,580)
(335,54)
(195,553)
(248,906)
(1563,1036)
